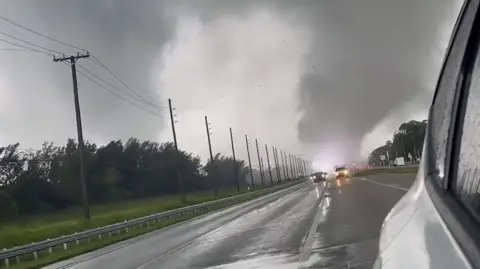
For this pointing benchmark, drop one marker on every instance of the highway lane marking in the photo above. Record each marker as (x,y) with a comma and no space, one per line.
(151,262)
(306,248)
(138,239)
(393,186)
(157,260)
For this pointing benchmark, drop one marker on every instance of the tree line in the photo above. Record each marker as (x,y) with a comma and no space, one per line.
(48,180)
(406,142)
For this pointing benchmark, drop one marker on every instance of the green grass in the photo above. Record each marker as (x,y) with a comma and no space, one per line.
(58,254)
(377,171)
(44,258)
(40,227)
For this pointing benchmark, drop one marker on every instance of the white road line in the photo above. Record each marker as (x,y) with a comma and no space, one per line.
(306,249)
(393,186)
(165,255)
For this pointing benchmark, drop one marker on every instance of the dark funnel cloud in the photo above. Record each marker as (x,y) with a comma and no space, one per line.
(370,59)
(311,77)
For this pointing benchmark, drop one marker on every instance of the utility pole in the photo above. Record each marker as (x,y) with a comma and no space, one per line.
(72,60)
(286,165)
(292,171)
(179,175)
(299,163)
(295,164)
(291,166)
(261,167)
(305,167)
(275,168)
(269,168)
(234,161)
(283,166)
(215,188)
(277,164)
(173,123)
(249,161)
(259,162)
(302,167)
(292,158)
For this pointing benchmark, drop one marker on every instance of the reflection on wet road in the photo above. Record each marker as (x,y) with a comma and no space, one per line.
(324,225)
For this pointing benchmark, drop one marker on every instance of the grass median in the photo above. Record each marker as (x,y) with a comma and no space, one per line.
(396,170)
(40,227)
(43,229)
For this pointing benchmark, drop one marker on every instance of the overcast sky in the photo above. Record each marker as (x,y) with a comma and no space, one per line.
(329,79)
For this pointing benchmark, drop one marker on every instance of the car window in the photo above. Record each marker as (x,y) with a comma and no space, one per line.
(466,185)
(441,114)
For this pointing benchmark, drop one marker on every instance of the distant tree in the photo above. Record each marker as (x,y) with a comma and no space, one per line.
(11,164)
(407,140)
(223,171)
(48,179)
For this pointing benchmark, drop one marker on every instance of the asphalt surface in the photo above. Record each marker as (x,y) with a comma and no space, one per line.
(313,225)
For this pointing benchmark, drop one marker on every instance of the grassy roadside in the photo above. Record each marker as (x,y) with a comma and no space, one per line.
(40,227)
(377,171)
(59,254)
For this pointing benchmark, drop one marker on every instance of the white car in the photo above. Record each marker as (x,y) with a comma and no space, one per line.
(437,223)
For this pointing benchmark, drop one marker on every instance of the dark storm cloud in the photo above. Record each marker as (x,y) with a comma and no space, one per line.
(124,35)
(362,62)
(370,59)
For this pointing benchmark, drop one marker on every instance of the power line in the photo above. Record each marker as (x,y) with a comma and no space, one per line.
(98,62)
(29,43)
(77,48)
(113,87)
(118,96)
(87,77)
(13,49)
(25,47)
(40,34)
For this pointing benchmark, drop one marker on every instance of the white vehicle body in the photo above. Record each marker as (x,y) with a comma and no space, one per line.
(437,223)
(414,236)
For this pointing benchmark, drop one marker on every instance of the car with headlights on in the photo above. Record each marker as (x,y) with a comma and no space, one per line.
(319,176)
(341,172)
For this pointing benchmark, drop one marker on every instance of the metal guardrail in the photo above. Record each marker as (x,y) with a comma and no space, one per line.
(35,247)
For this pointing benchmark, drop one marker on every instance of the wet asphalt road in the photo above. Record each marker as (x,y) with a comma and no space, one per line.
(323,225)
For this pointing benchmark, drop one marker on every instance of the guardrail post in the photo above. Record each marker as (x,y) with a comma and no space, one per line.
(50,250)
(35,255)
(7,263)
(100,236)
(109,233)
(77,241)
(65,246)
(17,259)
